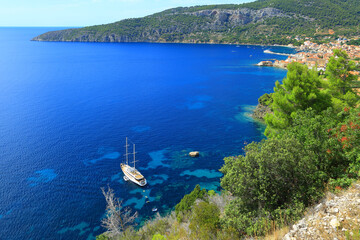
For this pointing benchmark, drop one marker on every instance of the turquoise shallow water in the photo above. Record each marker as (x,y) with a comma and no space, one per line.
(66,109)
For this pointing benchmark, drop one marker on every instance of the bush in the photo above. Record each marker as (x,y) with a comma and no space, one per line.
(347,138)
(102,237)
(265,99)
(155,227)
(211,193)
(158,237)
(188,200)
(204,220)
(274,174)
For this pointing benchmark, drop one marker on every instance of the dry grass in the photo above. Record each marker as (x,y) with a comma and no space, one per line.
(277,234)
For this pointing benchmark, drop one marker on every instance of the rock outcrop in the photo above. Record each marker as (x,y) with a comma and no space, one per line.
(335,217)
(261,111)
(241,16)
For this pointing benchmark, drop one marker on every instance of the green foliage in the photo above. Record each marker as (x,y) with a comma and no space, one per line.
(347,136)
(158,237)
(278,178)
(299,91)
(155,227)
(265,99)
(337,72)
(354,42)
(312,130)
(102,237)
(353,234)
(188,200)
(340,81)
(343,182)
(306,17)
(211,193)
(273,175)
(204,220)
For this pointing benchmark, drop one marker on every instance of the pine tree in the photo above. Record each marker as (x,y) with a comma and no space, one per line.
(299,91)
(338,72)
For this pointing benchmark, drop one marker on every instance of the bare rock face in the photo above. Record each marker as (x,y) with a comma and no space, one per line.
(336,217)
(241,16)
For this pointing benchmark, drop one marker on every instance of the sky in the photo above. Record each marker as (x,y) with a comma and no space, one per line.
(78,13)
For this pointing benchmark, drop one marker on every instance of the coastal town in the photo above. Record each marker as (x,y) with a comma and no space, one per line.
(316,55)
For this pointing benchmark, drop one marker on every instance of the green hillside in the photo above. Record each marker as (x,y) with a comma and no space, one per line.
(262,22)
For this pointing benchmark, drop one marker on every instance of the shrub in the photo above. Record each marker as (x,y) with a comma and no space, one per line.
(204,220)
(265,99)
(274,174)
(158,237)
(211,193)
(188,200)
(102,237)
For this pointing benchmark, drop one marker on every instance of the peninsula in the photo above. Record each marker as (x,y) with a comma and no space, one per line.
(259,22)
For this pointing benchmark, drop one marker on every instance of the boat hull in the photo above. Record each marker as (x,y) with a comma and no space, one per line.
(125,169)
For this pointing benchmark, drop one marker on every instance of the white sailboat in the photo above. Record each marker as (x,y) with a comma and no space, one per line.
(131,173)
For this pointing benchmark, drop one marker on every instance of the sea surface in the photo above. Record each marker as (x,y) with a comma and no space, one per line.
(66,108)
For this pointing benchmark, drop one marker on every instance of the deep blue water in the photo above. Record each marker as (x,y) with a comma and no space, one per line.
(66,108)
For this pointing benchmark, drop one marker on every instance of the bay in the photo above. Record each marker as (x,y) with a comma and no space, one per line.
(66,108)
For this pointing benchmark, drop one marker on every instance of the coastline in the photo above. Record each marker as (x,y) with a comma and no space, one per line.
(183,42)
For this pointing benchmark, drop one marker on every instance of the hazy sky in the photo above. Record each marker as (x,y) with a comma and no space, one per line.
(86,12)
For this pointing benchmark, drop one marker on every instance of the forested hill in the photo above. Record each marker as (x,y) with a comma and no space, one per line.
(262,22)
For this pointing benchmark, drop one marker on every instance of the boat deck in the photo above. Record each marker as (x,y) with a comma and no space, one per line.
(132,171)
(135,173)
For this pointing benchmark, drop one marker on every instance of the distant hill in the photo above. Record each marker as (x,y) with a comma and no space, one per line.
(259,22)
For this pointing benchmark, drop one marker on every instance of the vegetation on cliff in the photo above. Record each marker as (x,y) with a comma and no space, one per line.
(259,22)
(313,145)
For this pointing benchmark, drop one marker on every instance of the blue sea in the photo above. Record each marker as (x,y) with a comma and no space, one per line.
(66,108)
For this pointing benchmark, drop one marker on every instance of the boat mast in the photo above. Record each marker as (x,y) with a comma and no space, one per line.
(126,154)
(134,154)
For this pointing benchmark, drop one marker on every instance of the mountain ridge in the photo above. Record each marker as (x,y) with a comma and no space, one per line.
(259,22)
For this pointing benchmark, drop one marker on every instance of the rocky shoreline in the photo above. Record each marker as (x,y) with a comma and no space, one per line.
(260,112)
